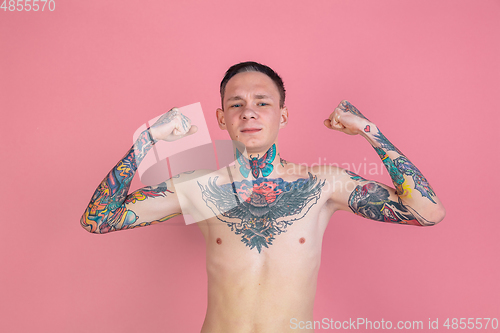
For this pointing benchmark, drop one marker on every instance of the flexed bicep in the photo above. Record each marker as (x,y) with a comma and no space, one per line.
(145,206)
(376,201)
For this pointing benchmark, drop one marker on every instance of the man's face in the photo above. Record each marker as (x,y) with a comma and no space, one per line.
(251,111)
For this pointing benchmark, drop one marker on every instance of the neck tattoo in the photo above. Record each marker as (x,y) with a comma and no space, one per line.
(282,160)
(257,165)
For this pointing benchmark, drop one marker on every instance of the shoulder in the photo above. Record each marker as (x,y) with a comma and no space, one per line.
(193,174)
(333,177)
(326,172)
(185,182)
(337,182)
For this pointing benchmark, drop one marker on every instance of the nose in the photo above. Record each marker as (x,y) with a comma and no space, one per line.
(248,112)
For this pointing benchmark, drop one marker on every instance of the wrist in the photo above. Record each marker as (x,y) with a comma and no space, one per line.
(150,135)
(368,131)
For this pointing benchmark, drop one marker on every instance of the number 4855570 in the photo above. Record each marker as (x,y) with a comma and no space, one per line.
(27,5)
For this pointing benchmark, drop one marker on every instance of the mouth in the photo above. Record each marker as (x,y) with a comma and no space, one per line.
(250,130)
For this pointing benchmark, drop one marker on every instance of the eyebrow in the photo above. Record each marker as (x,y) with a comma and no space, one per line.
(258,96)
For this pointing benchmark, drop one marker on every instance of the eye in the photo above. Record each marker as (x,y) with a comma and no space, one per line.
(235,105)
(263,104)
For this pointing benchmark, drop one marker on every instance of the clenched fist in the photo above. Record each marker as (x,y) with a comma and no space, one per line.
(346,118)
(172,126)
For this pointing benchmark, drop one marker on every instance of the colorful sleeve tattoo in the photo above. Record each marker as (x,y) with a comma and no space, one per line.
(401,167)
(106,211)
(372,201)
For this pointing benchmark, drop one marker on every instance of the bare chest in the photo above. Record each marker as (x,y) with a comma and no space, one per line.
(263,214)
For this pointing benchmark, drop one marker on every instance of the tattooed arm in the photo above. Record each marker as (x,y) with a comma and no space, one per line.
(412,201)
(111,209)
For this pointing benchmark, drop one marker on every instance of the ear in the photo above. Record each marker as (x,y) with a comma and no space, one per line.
(219,113)
(284,117)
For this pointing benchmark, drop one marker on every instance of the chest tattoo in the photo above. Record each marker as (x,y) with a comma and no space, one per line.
(262,208)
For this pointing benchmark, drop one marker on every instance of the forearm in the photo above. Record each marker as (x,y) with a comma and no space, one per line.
(378,201)
(111,193)
(411,186)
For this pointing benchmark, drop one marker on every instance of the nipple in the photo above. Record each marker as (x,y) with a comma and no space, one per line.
(302,240)
(219,241)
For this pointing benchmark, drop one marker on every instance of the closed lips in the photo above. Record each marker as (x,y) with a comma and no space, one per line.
(250,130)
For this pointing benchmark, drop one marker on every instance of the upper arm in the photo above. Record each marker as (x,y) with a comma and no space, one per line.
(372,200)
(146,206)
(149,205)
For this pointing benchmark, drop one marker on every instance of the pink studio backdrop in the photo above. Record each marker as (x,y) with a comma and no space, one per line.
(77,82)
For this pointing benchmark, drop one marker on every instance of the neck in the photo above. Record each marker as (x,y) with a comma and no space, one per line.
(263,164)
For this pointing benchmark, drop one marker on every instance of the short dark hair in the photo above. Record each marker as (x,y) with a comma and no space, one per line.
(252,66)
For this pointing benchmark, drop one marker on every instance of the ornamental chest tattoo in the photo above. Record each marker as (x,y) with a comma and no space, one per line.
(260,209)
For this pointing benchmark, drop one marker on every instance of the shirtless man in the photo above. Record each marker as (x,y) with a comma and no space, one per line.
(263,218)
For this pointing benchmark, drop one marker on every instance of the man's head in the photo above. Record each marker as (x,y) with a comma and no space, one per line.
(251,66)
(253,108)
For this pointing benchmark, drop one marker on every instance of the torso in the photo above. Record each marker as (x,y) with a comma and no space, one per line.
(251,287)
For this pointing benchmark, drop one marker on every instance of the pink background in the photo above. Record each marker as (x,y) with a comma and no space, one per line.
(77,82)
